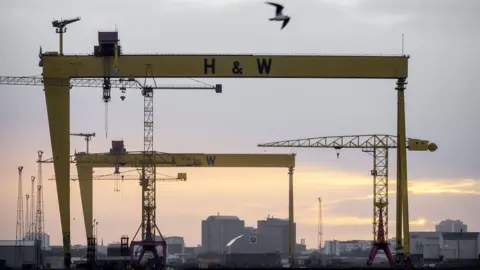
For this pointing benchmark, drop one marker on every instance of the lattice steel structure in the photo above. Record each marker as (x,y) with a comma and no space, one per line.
(97,83)
(377,146)
(40,221)
(20,233)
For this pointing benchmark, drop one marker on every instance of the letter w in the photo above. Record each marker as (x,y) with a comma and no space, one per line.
(211,160)
(264,66)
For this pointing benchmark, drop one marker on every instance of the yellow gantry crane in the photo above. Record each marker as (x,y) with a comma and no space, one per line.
(148,171)
(377,146)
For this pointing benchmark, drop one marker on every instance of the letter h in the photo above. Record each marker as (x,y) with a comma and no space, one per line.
(206,66)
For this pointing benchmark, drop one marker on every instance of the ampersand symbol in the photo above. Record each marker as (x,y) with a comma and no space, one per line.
(236,68)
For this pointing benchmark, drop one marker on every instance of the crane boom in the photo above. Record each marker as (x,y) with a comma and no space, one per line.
(378,146)
(353,142)
(180,177)
(98,83)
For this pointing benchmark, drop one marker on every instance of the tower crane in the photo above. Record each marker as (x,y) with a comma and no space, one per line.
(19,236)
(26,230)
(61,28)
(31,212)
(148,225)
(320,226)
(87,136)
(377,146)
(40,221)
(148,178)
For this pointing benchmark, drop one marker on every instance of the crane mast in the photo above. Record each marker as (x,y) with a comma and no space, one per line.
(31,212)
(148,224)
(40,222)
(61,28)
(19,235)
(320,226)
(26,236)
(377,146)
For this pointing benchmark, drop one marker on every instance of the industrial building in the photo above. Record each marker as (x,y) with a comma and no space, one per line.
(451,226)
(276,230)
(218,230)
(175,245)
(337,248)
(445,246)
(25,253)
(332,247)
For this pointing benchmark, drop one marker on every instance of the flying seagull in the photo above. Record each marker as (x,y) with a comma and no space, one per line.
(279,15)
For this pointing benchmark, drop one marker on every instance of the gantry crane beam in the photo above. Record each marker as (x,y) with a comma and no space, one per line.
(86,162)
(115,176)
(59,69)
(377,146)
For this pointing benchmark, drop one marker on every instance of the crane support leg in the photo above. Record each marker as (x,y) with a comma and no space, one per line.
(85,181)
(402,222)
(58,110)
(291,221)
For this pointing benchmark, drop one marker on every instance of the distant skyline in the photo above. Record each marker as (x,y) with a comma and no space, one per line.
(441,37)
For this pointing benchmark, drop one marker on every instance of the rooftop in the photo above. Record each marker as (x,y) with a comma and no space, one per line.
(218,217)
(6,243)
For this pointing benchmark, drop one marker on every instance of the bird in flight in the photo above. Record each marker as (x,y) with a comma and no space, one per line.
(279,14)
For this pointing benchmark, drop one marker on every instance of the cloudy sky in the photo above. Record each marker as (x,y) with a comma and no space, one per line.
(441,36)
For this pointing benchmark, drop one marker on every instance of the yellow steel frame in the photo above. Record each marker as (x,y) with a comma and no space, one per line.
(58,69)
(86,162)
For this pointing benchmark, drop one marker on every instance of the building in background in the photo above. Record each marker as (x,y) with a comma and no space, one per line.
(30,253)
(175,245)
(277,231)
(451,226)
(46,240)
(445,245)
(218,230)
(428,244)
(332,247)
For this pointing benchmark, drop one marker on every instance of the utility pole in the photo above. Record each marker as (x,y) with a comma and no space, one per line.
(88,138)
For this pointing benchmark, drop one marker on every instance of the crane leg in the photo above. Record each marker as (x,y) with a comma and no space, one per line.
(402,215)
(58,111)
(85,181)
(291,222)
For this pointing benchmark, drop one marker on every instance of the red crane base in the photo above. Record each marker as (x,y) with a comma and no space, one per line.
(150,246)
(380,246)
